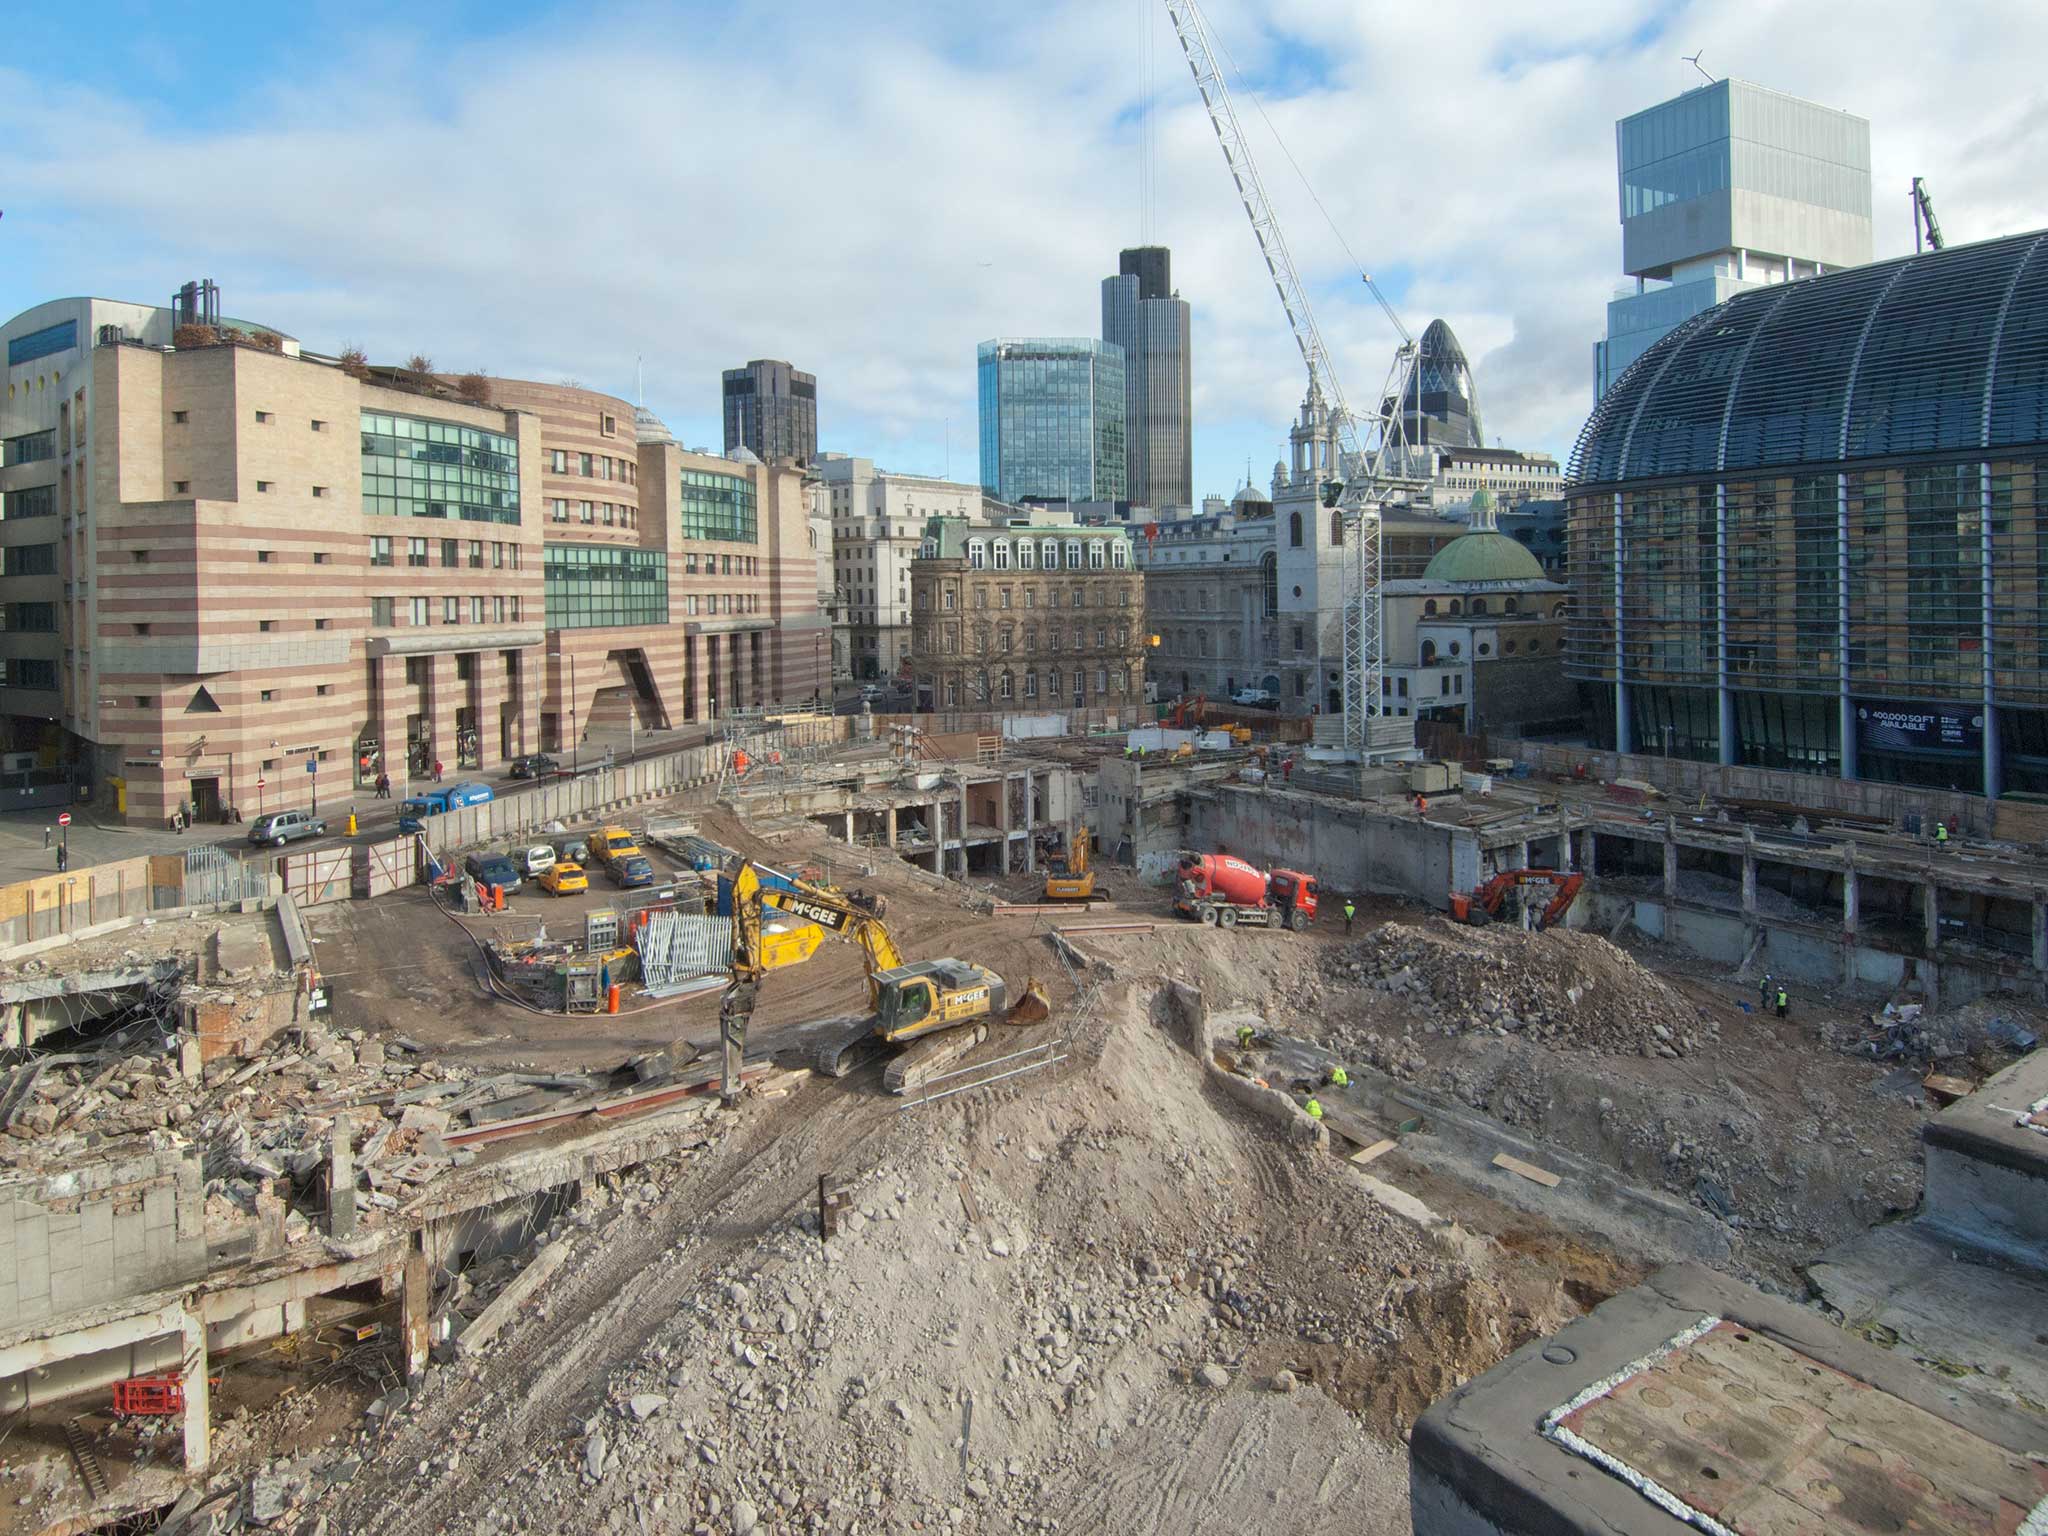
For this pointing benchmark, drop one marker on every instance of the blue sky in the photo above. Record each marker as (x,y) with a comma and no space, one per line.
(868,190)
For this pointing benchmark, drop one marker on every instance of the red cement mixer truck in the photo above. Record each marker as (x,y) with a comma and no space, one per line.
(1219,888)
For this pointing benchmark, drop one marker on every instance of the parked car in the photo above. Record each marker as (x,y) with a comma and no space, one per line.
(632,869)
(281,827)
(572,848)
(564,879)
(535,765)
(610,844)
(537,860)
(492,869)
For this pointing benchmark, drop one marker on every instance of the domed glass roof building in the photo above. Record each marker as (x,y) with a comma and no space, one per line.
(1806,529)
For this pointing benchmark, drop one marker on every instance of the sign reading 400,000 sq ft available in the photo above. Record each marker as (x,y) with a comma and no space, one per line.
(1916,728)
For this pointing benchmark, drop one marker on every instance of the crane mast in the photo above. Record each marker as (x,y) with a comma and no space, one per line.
(1367,475)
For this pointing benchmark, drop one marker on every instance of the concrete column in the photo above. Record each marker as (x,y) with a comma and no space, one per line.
(444,697)
(1852,901)
(1670,863)
(1588,845)
(962,870)
(1930,908)
(936,820)
(198,1421)
(1522,854)
(889,826)
(416,1304)
(849,829)
(341,1183)
(1748,872)
(2041,936)
(1003,819)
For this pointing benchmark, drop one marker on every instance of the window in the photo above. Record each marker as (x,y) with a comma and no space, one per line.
(977,554)
(715,506)
(416,553)
(413,467)
(1429,608)
(476,554)
(1298,646)
(319,425)
(1098,555)
(419,620)
(1120,555)
(142,629)
(585,465)
(451,554)
(1073,557)
(451,610)
(323,689)
(180,486)
(1049,553)
(31,560)
(320,492)
(594,586)
(139,556)
(263,485)
(380,613)
(560,509)
(263,557)
(949,598)
(1336,529)
(180,418)
(497,610)
(1027,559)
(476,610)
(558,461)
(265,626)
(515,608)
(1294,530)
(608,425)
(264,418)
(587,511)
(267,695)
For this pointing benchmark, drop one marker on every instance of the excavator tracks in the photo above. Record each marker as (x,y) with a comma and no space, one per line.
(922,1060)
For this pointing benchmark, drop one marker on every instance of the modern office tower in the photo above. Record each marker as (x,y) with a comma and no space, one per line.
(1144,316)
(771,410)
(1052,419)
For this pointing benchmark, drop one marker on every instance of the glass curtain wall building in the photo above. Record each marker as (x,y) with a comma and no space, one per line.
(1052,419)
(1142,315)
(1807,530)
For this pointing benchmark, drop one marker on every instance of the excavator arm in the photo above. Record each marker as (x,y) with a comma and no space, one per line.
(830,910)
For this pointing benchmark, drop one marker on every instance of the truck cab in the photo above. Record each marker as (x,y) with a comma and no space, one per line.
(1295,895)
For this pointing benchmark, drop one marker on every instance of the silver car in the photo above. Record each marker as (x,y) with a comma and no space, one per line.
(281,827)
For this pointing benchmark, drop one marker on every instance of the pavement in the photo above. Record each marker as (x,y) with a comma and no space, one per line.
(28,839)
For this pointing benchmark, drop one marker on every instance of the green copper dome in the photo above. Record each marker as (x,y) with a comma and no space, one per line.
(1484,557)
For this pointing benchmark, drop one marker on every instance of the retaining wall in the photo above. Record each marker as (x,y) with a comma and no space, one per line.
(1344,845)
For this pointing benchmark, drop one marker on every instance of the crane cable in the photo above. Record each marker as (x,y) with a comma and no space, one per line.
(1302,177)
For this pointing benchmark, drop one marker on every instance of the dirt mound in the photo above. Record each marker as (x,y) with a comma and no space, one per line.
(1560,987)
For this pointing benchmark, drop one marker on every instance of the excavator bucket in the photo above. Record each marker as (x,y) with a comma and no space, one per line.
(1034,1007)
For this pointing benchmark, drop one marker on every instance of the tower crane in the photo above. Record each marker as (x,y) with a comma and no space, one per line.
(1373,462)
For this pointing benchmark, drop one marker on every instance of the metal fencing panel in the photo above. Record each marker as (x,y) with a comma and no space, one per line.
(677,948)
(214,877)
(320,876)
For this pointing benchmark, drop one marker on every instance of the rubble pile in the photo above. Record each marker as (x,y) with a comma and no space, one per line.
(1559,987)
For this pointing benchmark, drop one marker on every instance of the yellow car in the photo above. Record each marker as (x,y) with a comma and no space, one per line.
(564,880)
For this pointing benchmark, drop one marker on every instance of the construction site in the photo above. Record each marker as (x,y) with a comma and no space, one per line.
(430,1207)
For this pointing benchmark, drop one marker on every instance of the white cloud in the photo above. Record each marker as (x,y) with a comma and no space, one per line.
(871,190)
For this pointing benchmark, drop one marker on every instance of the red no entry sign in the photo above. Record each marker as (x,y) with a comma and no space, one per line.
(63,818)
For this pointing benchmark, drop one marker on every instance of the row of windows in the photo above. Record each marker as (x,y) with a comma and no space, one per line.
(1041,554)
(30,560)
(420,611)
(594,586)
(593,466)
(455,553)
(1010,685)
(1053,596)
(610,514)
(32,447)
(413,467)
(29,618)
(35,501)
(715,506)
(32,672)
(1002,638)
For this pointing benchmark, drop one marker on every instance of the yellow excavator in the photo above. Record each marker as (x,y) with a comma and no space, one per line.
(938,1009)
(1070,878)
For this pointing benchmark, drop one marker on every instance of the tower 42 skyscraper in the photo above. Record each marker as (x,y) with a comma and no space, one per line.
(1142,315)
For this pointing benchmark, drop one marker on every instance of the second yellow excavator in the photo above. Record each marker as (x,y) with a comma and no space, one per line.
(937,1009)
(1070,878)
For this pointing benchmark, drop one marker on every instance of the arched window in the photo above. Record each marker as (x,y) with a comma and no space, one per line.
(1557,611)
(1007,686)
(1049,549)
(977,554)
(1202,641)
(1429,608)
(1052,683)
(1002,554)
(1511,606)
(1294,530)
(1098,556)
(1269,572)
(1027,555)
(1336,528)
(981,687)
(1479,605)
(1428,652)
(1456,606)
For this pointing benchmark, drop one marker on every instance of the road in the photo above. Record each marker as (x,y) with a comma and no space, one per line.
(28,839)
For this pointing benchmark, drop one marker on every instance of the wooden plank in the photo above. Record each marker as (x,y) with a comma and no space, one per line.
(967,1201)
(1528,1171)
(1945,1090)
(1376,1151)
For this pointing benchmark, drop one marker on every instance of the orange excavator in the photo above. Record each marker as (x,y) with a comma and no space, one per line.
(1482,906)
(1187,713)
